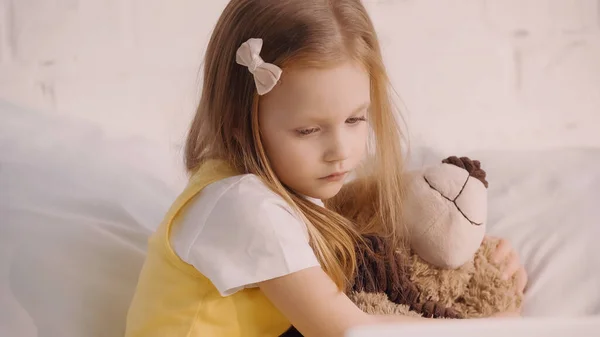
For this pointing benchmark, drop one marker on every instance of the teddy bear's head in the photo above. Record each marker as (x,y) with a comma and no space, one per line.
(445,211)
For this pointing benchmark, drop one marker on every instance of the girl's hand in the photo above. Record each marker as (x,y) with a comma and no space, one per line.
(507,257)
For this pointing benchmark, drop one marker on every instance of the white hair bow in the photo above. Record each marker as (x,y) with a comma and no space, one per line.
(266,75)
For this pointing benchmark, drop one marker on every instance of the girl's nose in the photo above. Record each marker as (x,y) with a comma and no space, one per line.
(338,147)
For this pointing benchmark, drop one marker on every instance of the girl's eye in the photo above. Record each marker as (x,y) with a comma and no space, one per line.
(306,132)
(354,120)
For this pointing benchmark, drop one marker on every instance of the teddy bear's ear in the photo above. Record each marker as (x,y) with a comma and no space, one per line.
(472,166)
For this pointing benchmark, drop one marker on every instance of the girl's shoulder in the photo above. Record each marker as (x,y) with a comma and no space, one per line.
(238,232)
(242,191)
(243,201)
(241,194)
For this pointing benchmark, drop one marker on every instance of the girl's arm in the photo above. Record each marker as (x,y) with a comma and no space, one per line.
(314,305)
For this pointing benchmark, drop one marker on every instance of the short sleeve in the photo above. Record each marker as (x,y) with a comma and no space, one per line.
(247,237)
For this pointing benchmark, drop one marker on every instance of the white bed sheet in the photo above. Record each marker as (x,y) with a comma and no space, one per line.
(548,204)
(76,208)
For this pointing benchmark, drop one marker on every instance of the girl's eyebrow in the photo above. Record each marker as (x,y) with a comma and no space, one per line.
(363,106)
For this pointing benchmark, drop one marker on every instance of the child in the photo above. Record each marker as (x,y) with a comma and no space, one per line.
(249,247)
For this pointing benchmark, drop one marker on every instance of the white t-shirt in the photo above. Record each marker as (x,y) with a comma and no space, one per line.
(237,232)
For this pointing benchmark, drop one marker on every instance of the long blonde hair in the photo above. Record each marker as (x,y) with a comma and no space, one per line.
(302,33)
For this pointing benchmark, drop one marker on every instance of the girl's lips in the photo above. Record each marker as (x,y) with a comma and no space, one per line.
(335,176)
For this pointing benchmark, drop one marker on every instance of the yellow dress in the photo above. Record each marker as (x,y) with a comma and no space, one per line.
(173,299)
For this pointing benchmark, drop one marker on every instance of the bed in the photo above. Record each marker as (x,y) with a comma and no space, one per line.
(76,207)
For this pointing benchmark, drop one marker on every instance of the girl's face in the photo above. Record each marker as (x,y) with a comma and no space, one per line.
(314,129)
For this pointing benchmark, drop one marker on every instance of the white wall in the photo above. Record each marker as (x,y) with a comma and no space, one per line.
(493,73)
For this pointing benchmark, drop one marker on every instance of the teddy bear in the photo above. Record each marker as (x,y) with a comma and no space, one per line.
(447,271)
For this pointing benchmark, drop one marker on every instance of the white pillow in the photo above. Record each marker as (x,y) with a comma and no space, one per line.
(76,209)
(547,203)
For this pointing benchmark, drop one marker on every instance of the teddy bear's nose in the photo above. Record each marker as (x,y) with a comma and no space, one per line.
(454,201)
(467,193)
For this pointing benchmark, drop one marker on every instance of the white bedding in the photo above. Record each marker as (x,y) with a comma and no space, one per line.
(75,210)
(548,204)
(76,207)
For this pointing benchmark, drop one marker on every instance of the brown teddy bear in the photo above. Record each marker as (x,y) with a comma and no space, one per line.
(449,269)
(448,272)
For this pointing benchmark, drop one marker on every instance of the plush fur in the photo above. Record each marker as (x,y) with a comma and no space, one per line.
(475,289)
(379,304)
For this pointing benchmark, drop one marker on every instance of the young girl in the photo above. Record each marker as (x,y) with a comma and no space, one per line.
(295,98)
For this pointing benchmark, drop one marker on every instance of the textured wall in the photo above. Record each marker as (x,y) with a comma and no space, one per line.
(471,73)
